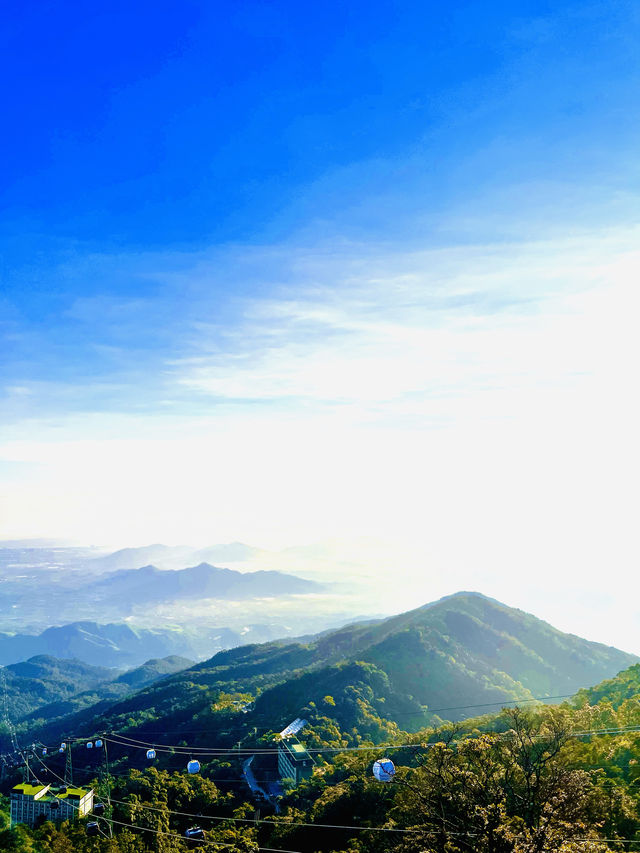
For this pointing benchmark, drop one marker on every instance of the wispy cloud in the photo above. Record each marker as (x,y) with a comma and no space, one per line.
(418,328)
(475,407)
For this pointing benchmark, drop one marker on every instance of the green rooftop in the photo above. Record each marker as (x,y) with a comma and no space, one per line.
(76,792)
(70,792)
(29,790)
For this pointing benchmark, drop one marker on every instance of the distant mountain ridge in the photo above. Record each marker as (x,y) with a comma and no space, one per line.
(32,591)
(172,556)
(201,581)
(117,644)
(44,678)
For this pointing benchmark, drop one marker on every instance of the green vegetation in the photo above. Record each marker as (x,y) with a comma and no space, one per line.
(45,688)
(43,679)
(616,690)
(517,781)
(442,661)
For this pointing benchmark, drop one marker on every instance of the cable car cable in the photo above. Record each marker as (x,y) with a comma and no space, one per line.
(218,752)
(311,825)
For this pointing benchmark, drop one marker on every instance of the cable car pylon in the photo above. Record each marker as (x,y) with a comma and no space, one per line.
(68,768)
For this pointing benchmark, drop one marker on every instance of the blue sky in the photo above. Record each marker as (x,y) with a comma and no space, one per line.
(287,273)
(135,132)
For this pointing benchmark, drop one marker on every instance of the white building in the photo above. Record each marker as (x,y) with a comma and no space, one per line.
(33,803)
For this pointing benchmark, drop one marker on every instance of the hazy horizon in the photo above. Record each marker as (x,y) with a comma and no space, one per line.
(354,284)
(369,587)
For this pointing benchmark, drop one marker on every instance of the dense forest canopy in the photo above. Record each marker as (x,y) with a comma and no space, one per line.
(550,778)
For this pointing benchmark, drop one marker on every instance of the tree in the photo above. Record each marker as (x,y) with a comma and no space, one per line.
(510,792)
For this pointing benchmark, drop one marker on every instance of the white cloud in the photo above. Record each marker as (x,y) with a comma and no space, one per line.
(397,328)
(473,408)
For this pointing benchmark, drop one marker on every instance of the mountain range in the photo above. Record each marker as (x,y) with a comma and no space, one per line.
(30,596)
(151,584)
(457,657)
(556,778)
(172,556)
(123,645)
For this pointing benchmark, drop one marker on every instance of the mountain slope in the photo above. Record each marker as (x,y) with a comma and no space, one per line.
(104,693)
(43,679)
(152,670)
(625,685)
(461,647)
(456,656)
(465,650)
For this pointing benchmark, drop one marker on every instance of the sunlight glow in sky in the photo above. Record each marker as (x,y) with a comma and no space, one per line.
(362,275)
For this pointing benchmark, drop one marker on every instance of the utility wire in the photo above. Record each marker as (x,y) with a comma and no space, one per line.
(427,710)
(221,752)
(501,702)
(238,819)
(225,751)
(249,820)
(162,832)
(266,820)
(308,825)
(112,821)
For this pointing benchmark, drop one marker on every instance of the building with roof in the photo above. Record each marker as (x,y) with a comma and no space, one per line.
(32,804)
(294,762)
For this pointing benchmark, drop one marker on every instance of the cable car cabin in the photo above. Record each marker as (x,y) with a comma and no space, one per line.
(195,833)
(98,809)
(384,770)
(151,754)
(92,828)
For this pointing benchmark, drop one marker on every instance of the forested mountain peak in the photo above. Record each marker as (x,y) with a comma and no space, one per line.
(451,658)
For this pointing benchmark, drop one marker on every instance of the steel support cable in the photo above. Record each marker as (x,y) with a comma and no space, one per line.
(123,740)
(191,750)
(501,702)
(273,823)
(310,825)
(241,820)
(162,832)
(223,818)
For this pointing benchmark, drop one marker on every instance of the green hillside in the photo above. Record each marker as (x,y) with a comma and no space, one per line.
(465,650)
(45,688)
(44,679)
(551,778)
(543,780)
(616,691)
